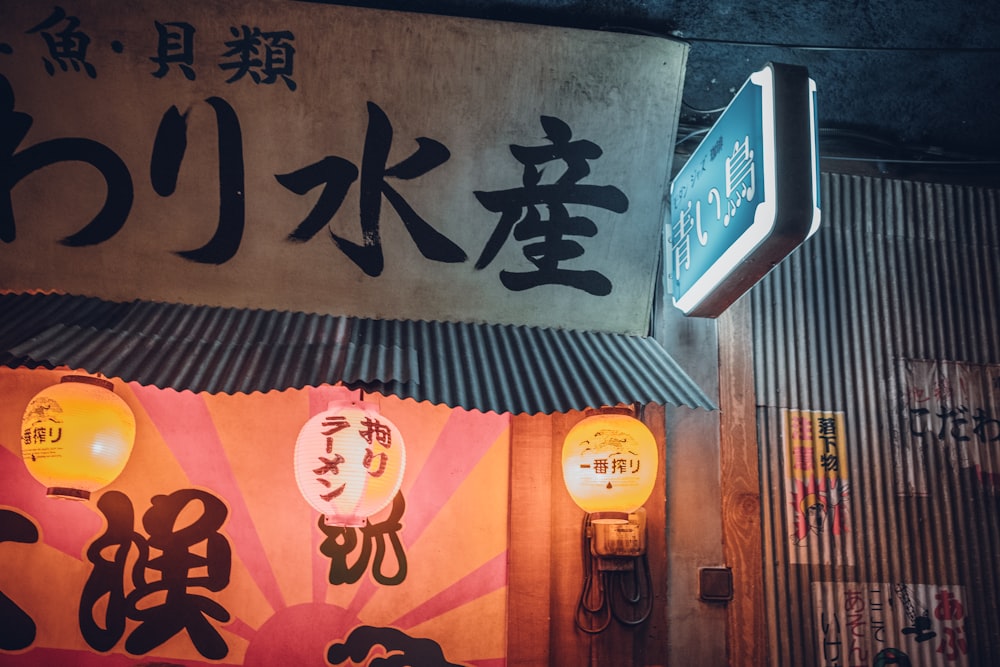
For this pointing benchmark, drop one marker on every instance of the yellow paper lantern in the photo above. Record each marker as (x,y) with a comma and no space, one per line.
(76,436)
(609,466)
(349,462)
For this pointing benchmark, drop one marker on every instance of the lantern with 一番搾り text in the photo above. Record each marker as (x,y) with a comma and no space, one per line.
(349,462)
(76,436)
(609,465)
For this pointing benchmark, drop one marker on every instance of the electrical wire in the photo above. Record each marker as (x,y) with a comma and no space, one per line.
(631,591)
(707,112)
(625,595)
(838,47)
(679,36)
(691,135)
(931,159)
(593,613)
(923,163)
(884,151)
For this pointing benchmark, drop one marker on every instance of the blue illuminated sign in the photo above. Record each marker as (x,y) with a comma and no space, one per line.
(749,194)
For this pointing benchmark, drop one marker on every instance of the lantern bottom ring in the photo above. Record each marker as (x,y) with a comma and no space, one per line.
(609,517)
(67,493)
(345,521)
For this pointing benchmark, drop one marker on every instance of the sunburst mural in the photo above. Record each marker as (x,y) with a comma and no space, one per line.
(203,552)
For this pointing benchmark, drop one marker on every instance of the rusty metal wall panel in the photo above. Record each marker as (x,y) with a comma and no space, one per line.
(877,366)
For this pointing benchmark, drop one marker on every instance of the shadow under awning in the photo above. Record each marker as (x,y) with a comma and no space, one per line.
(486,367)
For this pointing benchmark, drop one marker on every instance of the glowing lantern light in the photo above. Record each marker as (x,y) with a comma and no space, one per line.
(609,466)
(76,436)
(349,462)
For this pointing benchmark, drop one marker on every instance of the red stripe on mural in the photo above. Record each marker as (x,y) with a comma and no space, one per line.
(66,525)
(320,563)
(239,627)
(464,440)
(366,589)
(489,577)
(186,425)
(46,657)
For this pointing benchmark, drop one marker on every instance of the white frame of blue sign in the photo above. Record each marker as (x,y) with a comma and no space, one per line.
(790,210)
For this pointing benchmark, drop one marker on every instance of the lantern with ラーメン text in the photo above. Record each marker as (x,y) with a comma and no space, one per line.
(609,465)
(77,436)
(349,462)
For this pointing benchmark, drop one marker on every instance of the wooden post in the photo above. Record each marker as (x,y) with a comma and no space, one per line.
(529,581)
(545,571)
(746,624)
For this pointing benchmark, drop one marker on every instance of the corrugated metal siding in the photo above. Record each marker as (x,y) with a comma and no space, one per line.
(227,350)
(902,276)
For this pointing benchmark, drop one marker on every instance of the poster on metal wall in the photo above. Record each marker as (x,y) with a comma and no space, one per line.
(883,624)
(949,422)
(817,490)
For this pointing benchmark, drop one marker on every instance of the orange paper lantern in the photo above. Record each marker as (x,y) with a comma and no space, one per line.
(349,462)
(609,466)
(76,436)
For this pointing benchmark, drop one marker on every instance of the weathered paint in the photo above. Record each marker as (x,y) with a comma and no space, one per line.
(406,154)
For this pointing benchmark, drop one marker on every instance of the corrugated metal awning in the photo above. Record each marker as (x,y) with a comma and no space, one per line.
(500,368)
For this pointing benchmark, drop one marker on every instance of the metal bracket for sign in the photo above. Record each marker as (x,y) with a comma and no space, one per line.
(749,194)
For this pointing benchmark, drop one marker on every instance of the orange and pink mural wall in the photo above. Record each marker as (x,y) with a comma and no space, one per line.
(204,552)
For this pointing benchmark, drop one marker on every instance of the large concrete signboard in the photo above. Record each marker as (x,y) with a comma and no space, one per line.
(303,156)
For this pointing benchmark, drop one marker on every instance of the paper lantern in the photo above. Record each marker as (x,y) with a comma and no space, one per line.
(609,466)
(349,462)
(76,436)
